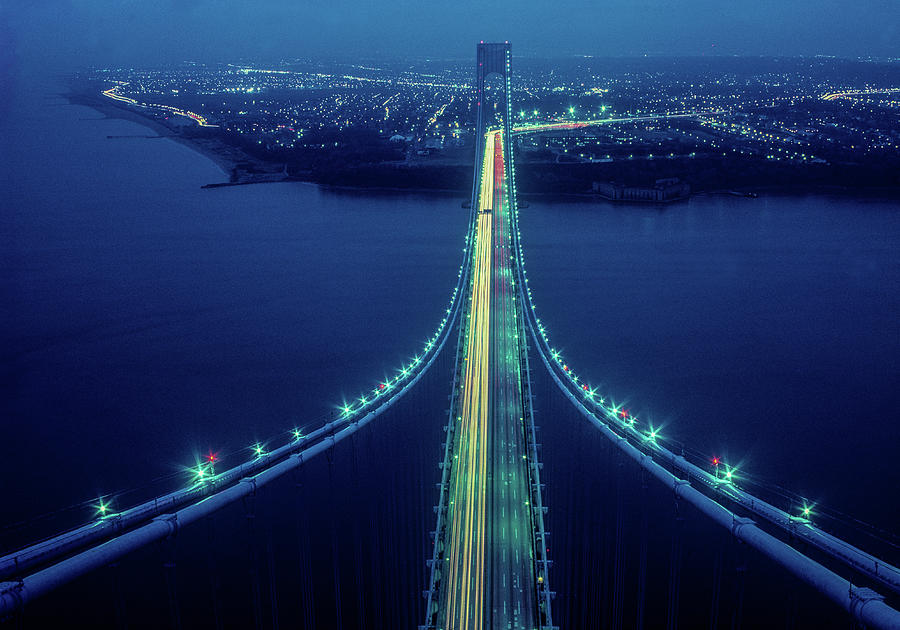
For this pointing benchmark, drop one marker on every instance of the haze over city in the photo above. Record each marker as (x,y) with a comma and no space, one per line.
(109,32)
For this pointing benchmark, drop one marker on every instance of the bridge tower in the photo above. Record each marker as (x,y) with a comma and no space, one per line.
(489,566)
(493,58)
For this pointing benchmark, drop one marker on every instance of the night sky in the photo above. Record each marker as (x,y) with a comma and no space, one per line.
(65,33)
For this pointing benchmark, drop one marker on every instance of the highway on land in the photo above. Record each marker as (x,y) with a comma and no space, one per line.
(581,124)
(490,578)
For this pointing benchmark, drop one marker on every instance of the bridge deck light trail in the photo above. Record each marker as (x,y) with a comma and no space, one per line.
(489,483)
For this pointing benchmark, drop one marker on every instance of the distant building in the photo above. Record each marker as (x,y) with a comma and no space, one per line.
(668,189)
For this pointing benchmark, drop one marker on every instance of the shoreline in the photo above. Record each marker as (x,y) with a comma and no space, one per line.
(224,165)
(112,111)
(230,167)
(880,193)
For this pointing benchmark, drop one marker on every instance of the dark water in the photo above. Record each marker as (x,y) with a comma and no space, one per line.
(146,321)
(765,330)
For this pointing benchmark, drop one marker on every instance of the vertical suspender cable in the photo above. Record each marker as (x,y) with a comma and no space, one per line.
(572,589)
(375,580)
(361,616)
(793,607)
(273,579)
(605,543)
(118,599)
(303,548)
(213,570)
(740,571)
(618,583)
(335,555)
(642,561)
(794,597)
(716,586)
(675,567)
(249,502)
(168,550)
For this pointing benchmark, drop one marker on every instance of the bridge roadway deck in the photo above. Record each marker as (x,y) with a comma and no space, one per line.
(491,580)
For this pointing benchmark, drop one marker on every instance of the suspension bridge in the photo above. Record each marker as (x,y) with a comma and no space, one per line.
(489,566)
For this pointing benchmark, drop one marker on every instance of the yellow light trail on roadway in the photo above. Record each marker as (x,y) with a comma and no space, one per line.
(466,579)
(438,114)
(850,93)
(580,124)
(113,93)
(489,580)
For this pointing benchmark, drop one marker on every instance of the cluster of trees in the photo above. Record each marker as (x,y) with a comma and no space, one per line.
(706,173)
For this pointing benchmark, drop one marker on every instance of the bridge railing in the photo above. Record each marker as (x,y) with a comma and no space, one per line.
(542,562)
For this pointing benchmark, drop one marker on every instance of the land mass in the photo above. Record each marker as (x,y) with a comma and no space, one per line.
(361,158)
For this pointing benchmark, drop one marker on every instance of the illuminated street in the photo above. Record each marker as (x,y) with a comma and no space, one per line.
(491,570)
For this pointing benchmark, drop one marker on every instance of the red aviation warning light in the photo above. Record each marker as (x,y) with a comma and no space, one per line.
(211,460)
